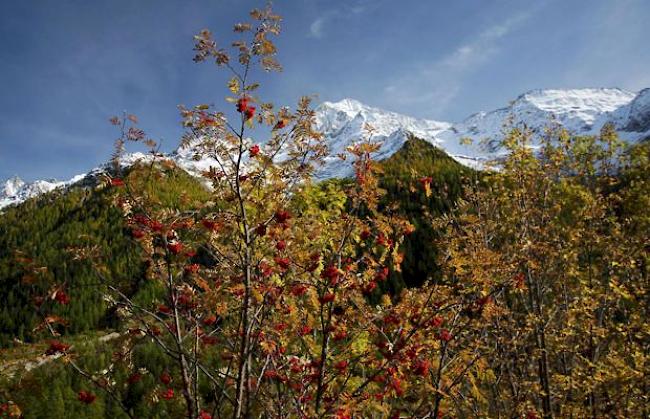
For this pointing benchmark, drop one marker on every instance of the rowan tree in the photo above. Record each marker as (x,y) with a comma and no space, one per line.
(261,295)
(263,291)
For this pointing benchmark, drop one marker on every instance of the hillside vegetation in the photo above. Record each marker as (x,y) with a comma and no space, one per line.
(417,288)
(43,233)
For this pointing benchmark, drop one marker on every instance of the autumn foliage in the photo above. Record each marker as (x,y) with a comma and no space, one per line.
(266,297)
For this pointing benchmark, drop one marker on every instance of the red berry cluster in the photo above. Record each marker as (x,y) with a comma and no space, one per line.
(254,150)
(244,108)
(61,297)
(168,394)
(56,347)
(117,182)
(86,397)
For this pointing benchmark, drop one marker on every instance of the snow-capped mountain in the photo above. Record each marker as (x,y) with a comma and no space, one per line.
(344,122)
(633,117)
(15,190)
(582,111)
(11,186)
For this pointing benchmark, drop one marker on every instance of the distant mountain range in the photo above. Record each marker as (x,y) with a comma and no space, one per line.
(582,111)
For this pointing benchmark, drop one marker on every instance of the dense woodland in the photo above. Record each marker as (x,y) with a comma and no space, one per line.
(41,232)
(47,228)
(416,288)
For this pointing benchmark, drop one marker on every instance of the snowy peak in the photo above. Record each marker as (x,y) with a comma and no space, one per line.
(334,116)
(639,115)
(344,123)
(15,190)
(581,111)
(11,187)
(580,103)
(635,116)
(576,109)
(348,106)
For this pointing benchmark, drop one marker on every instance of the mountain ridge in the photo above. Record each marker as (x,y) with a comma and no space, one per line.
(582,111)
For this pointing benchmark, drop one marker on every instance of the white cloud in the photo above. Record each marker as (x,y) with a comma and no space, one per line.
(436,83)
(316,28)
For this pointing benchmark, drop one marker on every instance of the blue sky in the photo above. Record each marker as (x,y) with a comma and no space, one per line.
(67,65)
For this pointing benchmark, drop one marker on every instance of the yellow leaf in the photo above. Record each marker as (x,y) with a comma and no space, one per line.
(427,190)
(360,344)
(257,296)
(233,85)
(268,346)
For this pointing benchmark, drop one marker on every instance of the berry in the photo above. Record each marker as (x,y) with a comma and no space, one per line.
(117,182)
(62,298)
(282,216)
(136,233)
(249,112)
(260,230)
(298,290)
(305,330)
(421,368)
(168,394)
(341,366)
(326,298)
(86,397)
(57,347)
(165,378)
(242,105)
(210,225)
(175,248)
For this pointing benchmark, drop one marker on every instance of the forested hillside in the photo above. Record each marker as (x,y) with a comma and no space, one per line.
(37,243)
(414,288)
(42,232)
(422,182)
